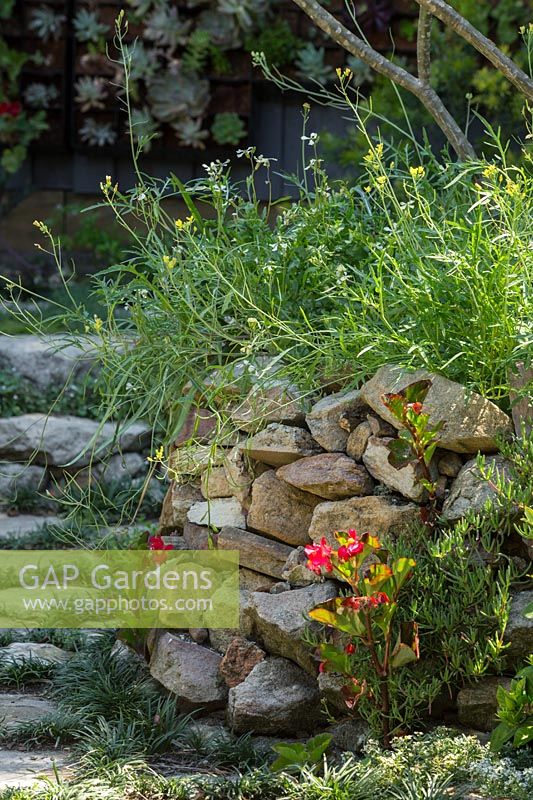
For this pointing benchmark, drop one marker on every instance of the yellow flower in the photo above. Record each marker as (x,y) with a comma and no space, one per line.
(42,227)
(339,72)
(186,223)
(169,263)
(374,154)
(417,172)
(158,456)
(490,171)
(512,188)
(381,180)
(368,189)
(98,324)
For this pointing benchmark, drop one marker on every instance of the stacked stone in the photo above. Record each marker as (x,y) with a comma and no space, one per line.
(39,452)
(303,472)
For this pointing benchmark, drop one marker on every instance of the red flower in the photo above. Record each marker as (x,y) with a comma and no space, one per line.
(379,598)
(353,603)
(352,547)
(416,407)
(322,666)
(8,109)
(157,543)
(319,555)
(350,649)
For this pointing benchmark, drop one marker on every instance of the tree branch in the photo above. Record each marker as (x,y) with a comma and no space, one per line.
(359,48)
(423,45)
(461,26)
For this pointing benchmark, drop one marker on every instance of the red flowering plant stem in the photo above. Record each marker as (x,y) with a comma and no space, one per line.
(417,441)
(364,617)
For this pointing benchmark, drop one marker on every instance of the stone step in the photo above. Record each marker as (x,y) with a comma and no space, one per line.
(16,708)
(24,523)
(22,769)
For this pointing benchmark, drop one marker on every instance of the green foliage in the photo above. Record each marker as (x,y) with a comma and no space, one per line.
(417,271)
(19,396)
(462,78)
(295,755)
(515,710)
(228,128)
(276,41)
(512,507)
(20,673)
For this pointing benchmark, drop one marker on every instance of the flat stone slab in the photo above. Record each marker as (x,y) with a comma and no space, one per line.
(17,708)
(22,769)
(65,440)
(46,362)
(24,523)
(38,652)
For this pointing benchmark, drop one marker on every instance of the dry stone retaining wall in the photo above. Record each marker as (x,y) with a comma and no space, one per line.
(301,473)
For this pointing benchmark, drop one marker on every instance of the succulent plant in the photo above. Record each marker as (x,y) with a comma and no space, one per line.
(165,28)
(175,97)
(222,28)
(46,23)
(140,7)
(143,61)
(245,12)
(97,134)
(87,26)
(362,73)
(39,95)
(189,132)
(144,129)
(310,64)
(90,92)
(228,128)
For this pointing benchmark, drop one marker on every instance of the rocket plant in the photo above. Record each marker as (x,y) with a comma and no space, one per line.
(363,618)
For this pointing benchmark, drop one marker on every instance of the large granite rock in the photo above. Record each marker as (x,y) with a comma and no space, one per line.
(476,705)
(189,671)
(280,510)
(221,638)
(358,440)
(224,511)
(472,422)
(41,653)
(239,473)
(295,571)
(332,476)
(17,478)
(255,552)
(21,524)
(48,362)
(215,483)
(332,419)
(121,467)
(519,631)
(277,697)
(60,441)
(281,444)
(470,491)
(178,502)
(404,480)
(378,515)
(239,660)
(280,621)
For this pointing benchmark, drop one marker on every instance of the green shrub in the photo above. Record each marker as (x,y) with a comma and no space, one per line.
(421,264)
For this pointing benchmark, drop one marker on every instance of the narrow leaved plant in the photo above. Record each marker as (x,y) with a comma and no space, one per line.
(364,617)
